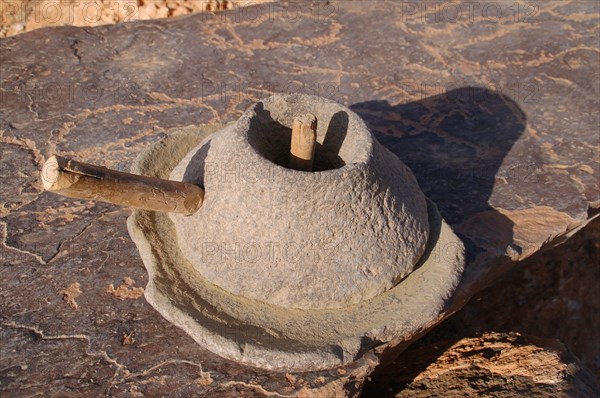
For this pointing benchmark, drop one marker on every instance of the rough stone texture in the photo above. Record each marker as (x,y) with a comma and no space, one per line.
(509,155)
(345,233)
(270,336)
(490,365)
(553,295)
(19,16)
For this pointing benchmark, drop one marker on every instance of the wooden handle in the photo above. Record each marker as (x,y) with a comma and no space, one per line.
(86,181)
(304,138)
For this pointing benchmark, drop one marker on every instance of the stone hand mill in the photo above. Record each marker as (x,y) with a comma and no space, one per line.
(289,239)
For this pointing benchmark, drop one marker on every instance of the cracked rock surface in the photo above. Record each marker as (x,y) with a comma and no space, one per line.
(492,364)
(508,152)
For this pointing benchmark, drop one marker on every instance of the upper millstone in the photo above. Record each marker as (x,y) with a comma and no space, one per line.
(344,233)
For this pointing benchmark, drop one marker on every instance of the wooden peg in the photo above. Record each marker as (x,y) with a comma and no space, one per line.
(304,138)
(86,181)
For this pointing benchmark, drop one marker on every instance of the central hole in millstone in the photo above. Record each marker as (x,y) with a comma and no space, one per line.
(335,145)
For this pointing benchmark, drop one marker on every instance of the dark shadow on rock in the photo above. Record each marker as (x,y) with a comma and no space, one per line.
(454,144)
(327,154)
(194,173)
(388,381)
(336,132)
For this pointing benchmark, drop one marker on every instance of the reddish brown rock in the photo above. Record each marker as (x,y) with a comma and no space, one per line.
(554,295)
(492,364)
(26,15)
(513,139)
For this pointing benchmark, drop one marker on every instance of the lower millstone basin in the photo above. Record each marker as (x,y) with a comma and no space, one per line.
(267,335)
(346,232)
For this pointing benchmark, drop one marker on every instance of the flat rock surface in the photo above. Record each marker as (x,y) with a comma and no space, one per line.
(495,112)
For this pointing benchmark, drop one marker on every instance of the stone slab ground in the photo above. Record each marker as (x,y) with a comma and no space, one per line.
(496,115)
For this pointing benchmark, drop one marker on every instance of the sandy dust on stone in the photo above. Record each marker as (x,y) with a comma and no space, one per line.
(205,379)
(128,339)
(126,290)
(70,294)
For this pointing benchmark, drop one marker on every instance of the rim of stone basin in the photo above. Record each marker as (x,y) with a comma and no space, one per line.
(271,337)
